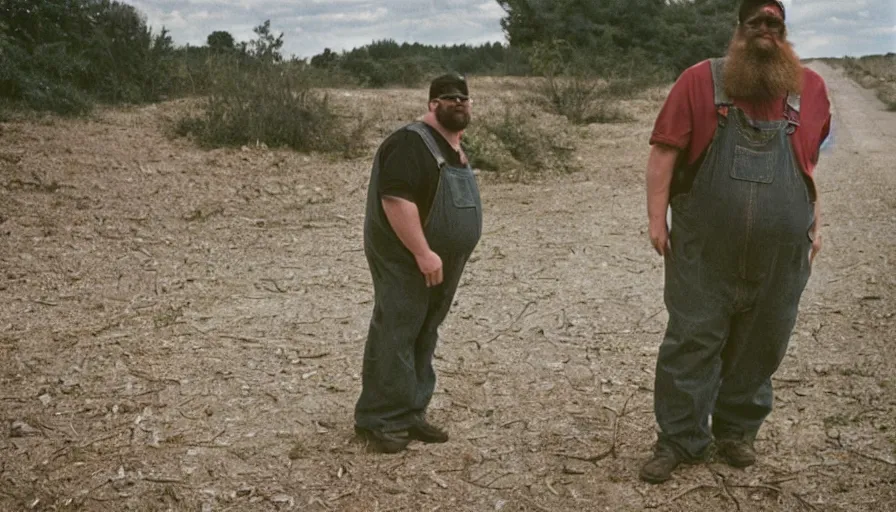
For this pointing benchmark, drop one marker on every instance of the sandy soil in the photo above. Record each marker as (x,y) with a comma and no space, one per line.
(182,330)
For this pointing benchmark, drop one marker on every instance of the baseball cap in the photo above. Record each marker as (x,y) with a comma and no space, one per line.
(748,7)
(451,83)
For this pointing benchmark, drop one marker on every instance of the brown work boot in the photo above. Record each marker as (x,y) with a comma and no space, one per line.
(427,433)
(384,442)
(736,452)
(659,468)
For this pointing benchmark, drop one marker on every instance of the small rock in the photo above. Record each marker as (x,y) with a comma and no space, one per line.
(283,498)
(22,429)
(45,399)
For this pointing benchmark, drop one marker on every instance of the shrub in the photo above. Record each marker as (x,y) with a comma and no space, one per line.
(516,141)
(573,89)
(272,104)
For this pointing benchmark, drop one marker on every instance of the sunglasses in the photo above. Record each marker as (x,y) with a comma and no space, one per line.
(771,22)
(457,98)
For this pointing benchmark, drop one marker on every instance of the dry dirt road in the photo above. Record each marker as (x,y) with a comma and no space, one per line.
(182,330)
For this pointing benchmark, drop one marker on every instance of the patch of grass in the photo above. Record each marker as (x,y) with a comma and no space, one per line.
(876,72)
(584,100)
(836,420)
(516,141)
(270,105)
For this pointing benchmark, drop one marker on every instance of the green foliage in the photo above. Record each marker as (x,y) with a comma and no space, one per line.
(573,89)
(257,102)
(220,41)
(668,35)
(266,48)
(384,63)
(61,55)
(516,143)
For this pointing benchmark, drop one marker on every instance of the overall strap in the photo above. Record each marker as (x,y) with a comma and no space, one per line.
(792,111)
(424,133)
(718,82)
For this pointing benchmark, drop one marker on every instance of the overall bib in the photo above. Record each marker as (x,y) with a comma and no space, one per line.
(397,377)
(739,264)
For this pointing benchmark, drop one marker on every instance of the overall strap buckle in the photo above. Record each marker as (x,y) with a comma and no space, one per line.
(722,112)
(792,112)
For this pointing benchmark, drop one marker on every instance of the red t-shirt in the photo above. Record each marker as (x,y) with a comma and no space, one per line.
(688,119)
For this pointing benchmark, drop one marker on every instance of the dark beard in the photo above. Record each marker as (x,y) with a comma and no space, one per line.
(761,73)
(451,119)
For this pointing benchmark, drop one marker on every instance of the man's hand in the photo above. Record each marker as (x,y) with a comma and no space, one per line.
(430,265)
(660,166)
(816,246)
(659,237)
(405,220)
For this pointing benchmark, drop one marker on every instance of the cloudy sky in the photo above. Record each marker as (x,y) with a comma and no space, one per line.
(819,28)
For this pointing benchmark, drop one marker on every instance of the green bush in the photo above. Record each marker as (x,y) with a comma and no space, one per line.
(60,55)
(573,89)
(270,104)
(516,141)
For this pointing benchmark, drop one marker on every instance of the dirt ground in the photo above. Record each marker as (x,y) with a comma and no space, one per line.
(182,329)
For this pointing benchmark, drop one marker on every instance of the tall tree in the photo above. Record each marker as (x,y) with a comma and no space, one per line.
(220,41)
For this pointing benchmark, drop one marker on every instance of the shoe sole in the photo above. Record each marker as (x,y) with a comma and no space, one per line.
(652,480)
(737,464)
(427,440)
(377,445)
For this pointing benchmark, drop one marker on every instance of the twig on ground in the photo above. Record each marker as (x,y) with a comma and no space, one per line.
(489,484)
(802,501)
(321,319)
(611,451)
(723,485)
(759,486)
(532,503)
(506,329)
(162,480)
(690,490)
(313,356)
(245,339)
(871,457)
(212,440)
(273,282)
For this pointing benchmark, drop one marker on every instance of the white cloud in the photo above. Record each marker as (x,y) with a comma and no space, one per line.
(818,28)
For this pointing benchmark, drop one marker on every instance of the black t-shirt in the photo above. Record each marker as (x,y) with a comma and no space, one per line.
(409,171)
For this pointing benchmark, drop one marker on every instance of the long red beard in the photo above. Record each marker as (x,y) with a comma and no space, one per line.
(756,75)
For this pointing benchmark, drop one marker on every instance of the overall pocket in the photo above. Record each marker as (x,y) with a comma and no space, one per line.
(754,166)
(461,189)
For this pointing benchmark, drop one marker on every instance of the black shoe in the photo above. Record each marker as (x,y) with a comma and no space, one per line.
(427,433)
(659,468)
(384,442)
(737,452)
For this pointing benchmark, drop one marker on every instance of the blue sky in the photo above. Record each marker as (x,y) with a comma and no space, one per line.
(818,28)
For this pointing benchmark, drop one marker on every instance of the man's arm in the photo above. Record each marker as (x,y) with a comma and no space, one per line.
(815,233)
(659,178)
(404,217)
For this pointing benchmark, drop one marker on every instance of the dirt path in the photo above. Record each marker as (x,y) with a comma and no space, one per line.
(182,330)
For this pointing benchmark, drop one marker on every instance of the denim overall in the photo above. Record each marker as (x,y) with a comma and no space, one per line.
(397,377)
(738,266)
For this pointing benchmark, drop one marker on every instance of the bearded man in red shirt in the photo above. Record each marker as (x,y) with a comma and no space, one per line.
(733,154)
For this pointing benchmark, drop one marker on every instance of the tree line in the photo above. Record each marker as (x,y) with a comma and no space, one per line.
(64,55)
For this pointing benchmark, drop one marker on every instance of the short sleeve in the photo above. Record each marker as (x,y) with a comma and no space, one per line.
(402,160)
(674,124)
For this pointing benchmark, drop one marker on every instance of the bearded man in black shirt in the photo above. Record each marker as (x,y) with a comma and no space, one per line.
(423,220)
